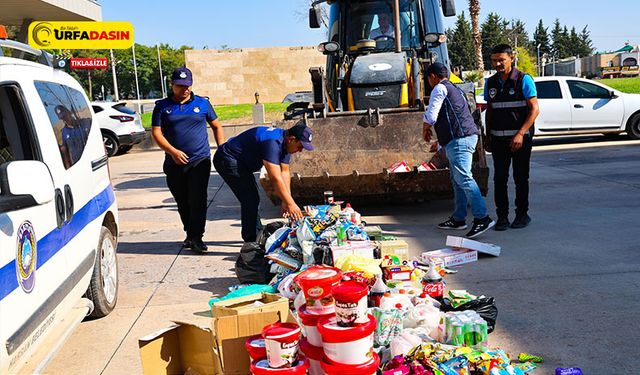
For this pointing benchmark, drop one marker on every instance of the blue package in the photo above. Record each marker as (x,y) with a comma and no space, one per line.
(568,371)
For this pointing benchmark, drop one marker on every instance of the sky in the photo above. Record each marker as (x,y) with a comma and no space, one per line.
(213,24)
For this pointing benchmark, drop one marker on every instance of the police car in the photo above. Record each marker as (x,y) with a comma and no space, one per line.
(58,213)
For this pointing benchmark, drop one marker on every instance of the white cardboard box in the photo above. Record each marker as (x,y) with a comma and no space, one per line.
(450,257)
(464,243)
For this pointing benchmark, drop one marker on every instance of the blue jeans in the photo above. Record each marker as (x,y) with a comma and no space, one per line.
(460,154)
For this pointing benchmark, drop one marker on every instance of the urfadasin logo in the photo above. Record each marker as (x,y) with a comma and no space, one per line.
(42,33)
(80,35)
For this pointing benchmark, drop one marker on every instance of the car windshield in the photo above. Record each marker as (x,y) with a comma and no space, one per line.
(121,107)
(374,20)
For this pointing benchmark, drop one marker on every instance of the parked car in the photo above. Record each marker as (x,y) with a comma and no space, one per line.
(570,105)
(121,126)
(57,208)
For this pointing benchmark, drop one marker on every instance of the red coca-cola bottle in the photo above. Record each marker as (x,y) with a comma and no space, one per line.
(432,283)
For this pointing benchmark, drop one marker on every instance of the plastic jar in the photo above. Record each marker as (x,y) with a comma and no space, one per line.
(347,345)
(351,303)
(281,341)
(316,283)
(256,347)
(315,355)
(261,367)
(310,325)
(369,368)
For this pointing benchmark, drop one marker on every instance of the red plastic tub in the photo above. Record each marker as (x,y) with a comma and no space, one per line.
(281,341)
(314,354)
(316,283)
(369,368)
(347,345)
(261,367)
(310,325)
(351,303)
(256,347)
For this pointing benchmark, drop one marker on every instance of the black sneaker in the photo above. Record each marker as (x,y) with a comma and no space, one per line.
(480,226)
(521,221)
(502,224)
(186,244)
(198,246)
(453,224)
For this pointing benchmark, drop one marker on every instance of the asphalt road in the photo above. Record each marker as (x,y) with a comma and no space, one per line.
(567,287)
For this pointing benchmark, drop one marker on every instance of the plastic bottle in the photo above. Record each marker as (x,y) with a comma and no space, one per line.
(432,283)
(377,291)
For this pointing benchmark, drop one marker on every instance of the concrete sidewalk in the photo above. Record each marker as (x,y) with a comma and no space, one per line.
(566,287)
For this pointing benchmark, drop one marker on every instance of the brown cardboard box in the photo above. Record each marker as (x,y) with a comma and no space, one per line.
(394,253)
(187,348)
(251,304)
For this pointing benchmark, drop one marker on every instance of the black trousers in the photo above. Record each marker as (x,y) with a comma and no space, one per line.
(243,185)
(502,160)
(188,185)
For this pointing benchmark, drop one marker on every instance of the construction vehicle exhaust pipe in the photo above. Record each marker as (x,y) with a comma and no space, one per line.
(396,17)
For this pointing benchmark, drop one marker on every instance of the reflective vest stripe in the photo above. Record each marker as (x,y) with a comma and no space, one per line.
(502,105)
(504,133)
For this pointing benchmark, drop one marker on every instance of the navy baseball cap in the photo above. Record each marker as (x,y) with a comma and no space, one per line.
(438,69)
(304,134)
(182,76)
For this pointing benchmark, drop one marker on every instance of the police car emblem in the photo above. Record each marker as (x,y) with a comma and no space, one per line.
(168,111)
(493,92)
(183,75)
(512,91)
(310,137)
(26,257)
(196,109)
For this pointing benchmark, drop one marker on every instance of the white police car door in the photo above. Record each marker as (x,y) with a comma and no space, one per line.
(29,274)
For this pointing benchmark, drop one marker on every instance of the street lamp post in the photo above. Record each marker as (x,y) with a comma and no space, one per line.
(162,88)
(115,79)
(135,72)
(539,66)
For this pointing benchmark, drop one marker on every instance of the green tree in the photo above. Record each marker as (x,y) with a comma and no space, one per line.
(559,39)
(461,44)
(517,34)
(494,32)
(526,63)
(541,37)
(586,44)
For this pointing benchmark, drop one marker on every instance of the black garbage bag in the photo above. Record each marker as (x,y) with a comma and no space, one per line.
(485,307)
(322,253)
(267,231)
(251,266)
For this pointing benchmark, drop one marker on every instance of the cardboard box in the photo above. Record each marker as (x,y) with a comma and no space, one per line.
(394,253)
(402,273)
(481,247)
(448,257)
(252,304)
(360,248)
(374,232)
(188,348)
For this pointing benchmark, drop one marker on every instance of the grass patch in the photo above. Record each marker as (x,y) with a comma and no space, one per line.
(628,85)
(235,112)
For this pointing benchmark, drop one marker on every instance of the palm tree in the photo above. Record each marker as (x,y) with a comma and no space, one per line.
(474,10)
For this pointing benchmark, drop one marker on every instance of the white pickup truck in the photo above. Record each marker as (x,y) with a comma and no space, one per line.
(570,105)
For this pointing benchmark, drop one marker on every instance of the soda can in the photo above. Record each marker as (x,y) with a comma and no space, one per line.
(482,334)
(469,334)
(328,197)
(457,334)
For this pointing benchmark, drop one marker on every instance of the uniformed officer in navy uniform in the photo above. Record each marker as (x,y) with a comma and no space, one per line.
(179,127)
(511,111)
(237,160)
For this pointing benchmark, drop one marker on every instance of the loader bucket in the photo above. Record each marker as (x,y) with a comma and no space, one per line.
(353,153)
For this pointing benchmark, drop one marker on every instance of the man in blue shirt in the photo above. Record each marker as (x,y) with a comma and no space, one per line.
(179,127)
(512,107)
(237,160)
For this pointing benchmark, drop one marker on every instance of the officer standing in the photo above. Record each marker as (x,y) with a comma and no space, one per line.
(179,127)
(511,111)
(237,160)
(448,112)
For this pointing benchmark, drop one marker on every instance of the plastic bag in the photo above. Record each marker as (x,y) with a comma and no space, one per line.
(251,266)
(277,239)
(267,231)
(485,307)
(370,267)
(304,231)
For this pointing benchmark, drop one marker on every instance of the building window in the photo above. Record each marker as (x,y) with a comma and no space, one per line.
(630,61)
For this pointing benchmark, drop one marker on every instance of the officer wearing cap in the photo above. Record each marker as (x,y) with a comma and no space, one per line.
(241,156)
(449,113)
(512,109)
(179,127)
